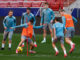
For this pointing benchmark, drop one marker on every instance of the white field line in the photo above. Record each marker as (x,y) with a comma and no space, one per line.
(47,56)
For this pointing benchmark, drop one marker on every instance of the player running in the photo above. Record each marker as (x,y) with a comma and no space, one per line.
(25,19)
(69,24)
(47,20)
(8,22)
(27,34)
(59,29)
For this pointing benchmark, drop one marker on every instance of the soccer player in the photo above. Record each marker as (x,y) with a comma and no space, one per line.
(8,22)
(59,29)
(25,19)
(27,33)
(69,23)
(47,20)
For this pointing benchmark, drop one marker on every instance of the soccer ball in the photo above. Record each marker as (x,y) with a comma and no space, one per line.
(19,49)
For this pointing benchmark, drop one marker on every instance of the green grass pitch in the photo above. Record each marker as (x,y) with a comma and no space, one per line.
(44,51)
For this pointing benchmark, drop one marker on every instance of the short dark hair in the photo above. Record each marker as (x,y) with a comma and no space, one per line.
(62,10)
(29,8)
(59,19)
(10,10)
(46,3)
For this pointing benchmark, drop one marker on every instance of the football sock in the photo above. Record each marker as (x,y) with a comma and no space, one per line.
(44,39)
(65,52)
(9,45)
(56,49)
(35,43)
(52,39)
(3,45)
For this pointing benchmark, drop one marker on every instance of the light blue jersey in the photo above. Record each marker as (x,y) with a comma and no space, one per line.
(47,16)
(59,27)
(9,22)
(26,18)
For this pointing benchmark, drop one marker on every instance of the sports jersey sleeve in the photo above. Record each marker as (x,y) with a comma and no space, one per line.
(22,25)
(15,22)
(4,22)
(42,17)
(53,15)
(38,27)
(34,20)
(22,19)
(64,27)
(63,20)
(75,20)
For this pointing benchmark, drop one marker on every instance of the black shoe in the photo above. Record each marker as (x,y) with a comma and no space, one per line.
(1,48)
(9,48)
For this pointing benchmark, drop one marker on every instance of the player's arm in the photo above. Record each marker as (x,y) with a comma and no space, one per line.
(4,23)
(53,16)
(54,32)
(63,20)
(34,21)
(65,30)
(42,18)
(75,20)
(22,25)
(15,22)
(38,27)
(22,19)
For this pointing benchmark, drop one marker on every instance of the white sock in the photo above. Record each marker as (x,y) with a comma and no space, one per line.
(52,39)
(65,52)
(9,45)
(44,39)
(3,45)
(22,43)
(71,44)
(56,49)
(35,43)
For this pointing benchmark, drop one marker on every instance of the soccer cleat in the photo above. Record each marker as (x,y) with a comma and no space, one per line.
(22,45)
(33,52)
(9,48)
(65,55)
(1,48)
(35,45)
(16,51)
(44,41)
(56,53)
(72,49)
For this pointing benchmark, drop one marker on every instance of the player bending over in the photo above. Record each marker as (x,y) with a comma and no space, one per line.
(8,22)
(69,23)
(25,19)
(27,33)
(58,29)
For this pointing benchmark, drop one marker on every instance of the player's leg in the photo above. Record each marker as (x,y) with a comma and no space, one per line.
(44,34)
(69,34)
(62,46)
(23,38)
(31,45)
(51,31)
(10,39)
(34,38)
(4,40)
(55,48)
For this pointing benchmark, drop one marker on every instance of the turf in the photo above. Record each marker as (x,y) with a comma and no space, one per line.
(44,51)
